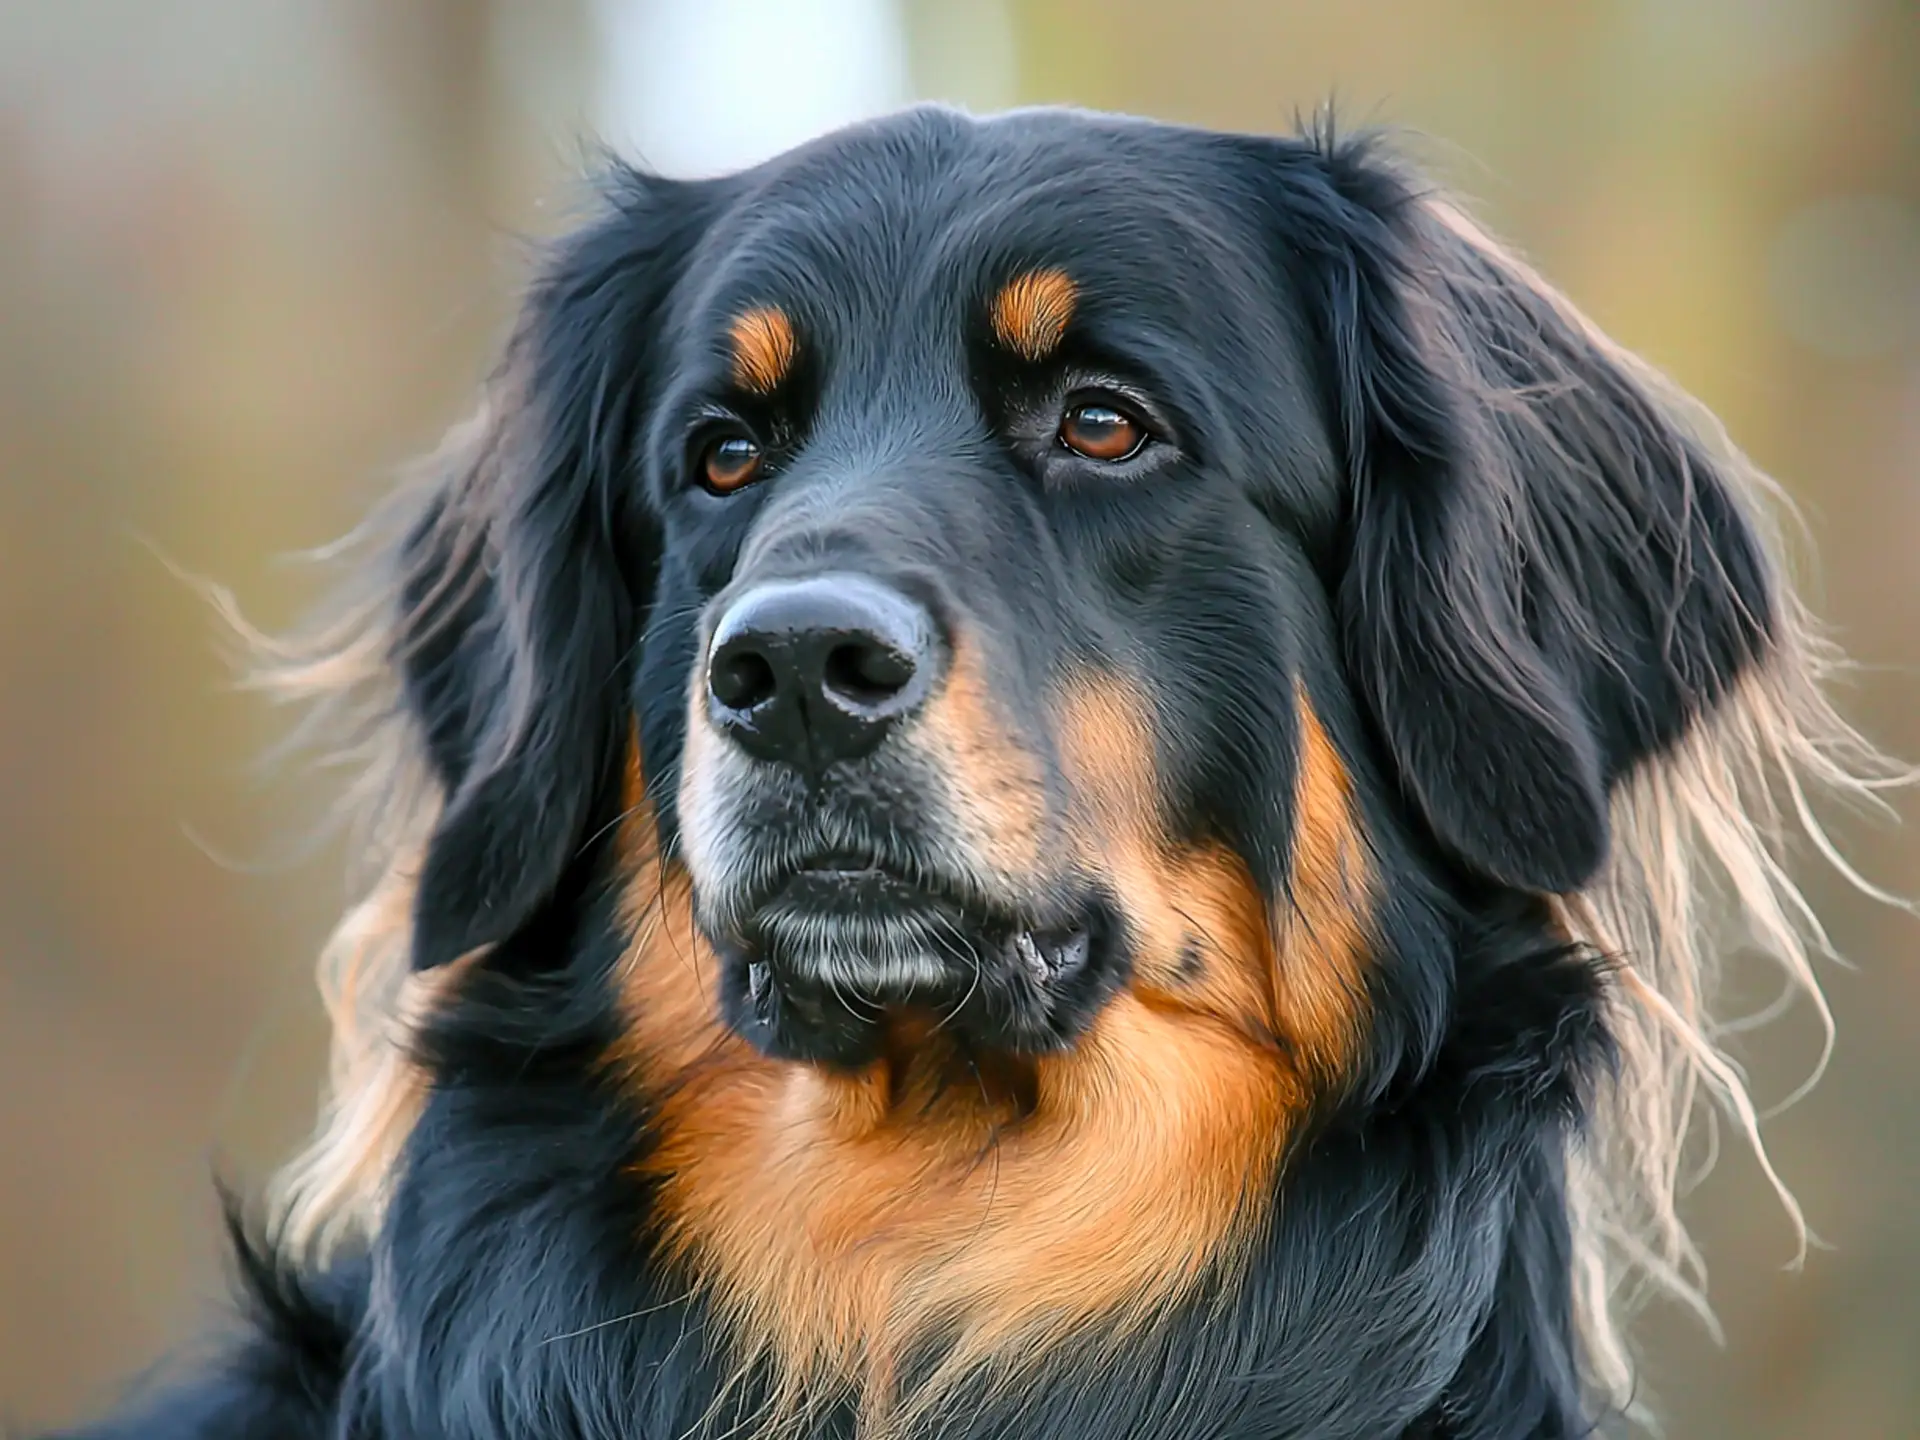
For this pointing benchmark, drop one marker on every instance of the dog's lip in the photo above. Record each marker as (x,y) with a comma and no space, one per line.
(842,863)
(840,877)
(856,887)
(1043,957)
(848,878)
(853,859)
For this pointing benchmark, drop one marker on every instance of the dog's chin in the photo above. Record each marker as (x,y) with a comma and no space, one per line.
(825,968)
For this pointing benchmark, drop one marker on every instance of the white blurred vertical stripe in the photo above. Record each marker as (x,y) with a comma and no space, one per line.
(699,87)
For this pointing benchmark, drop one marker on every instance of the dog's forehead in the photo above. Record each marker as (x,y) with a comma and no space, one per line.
(932,210)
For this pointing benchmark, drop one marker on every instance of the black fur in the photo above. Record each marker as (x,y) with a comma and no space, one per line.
(1499,605)
(1515,681)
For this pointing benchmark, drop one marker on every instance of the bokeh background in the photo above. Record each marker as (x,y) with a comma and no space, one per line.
(254,252)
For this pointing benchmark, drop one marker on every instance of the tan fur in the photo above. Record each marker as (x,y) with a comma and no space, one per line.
(338,1184)
(1309,988)
(992,780)
(764,347)
(1032,311)
(1324,940)
(838,1218)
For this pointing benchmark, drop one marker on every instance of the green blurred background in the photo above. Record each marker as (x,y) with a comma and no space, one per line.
(254,252)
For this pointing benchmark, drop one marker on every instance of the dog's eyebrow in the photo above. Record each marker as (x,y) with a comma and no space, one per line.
(764,346)
(1031,312)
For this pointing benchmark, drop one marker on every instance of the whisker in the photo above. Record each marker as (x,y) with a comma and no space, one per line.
(631,1315)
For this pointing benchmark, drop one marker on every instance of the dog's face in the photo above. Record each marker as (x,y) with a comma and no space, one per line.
(1026,544)
(987,474)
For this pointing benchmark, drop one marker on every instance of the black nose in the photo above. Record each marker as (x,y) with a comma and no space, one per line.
(807,672)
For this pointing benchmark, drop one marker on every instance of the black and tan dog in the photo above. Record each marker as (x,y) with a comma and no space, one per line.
(1042,778)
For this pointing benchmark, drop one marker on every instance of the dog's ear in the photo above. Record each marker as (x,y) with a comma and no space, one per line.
(523,583)
(1546,575)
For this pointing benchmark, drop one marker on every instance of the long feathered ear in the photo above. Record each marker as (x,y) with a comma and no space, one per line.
(523,582)
(1546,577)
(1560,605)
(469,669)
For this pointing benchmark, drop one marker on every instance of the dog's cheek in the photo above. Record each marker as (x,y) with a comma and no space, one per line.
(991,778)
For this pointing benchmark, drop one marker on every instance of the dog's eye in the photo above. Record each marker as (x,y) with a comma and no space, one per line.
(1100,432)
(729,462)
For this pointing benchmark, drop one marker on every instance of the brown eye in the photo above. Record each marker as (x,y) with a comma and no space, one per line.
(1101,432)
(731,462)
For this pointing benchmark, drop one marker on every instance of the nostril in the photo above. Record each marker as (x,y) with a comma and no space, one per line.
(741,679)
(867,673)
(812,672)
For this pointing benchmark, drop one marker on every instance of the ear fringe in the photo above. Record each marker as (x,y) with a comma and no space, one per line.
(1698,871)
(1702,839)
(343,671)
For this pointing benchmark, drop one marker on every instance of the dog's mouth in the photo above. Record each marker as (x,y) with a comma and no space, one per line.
(830,953)
(846,889)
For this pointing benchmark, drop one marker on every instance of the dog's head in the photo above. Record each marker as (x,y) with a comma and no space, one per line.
(1064,591)
(994,527)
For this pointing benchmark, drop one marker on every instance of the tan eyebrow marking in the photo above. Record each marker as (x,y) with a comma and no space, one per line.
(763,348)
(1031,312)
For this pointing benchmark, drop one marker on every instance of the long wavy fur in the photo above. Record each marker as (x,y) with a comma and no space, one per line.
(343,672)
(1698,871)
(1698,874)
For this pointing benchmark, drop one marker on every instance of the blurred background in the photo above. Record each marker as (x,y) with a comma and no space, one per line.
(255,252)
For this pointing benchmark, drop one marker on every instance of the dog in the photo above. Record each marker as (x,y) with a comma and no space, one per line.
(1045,776)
